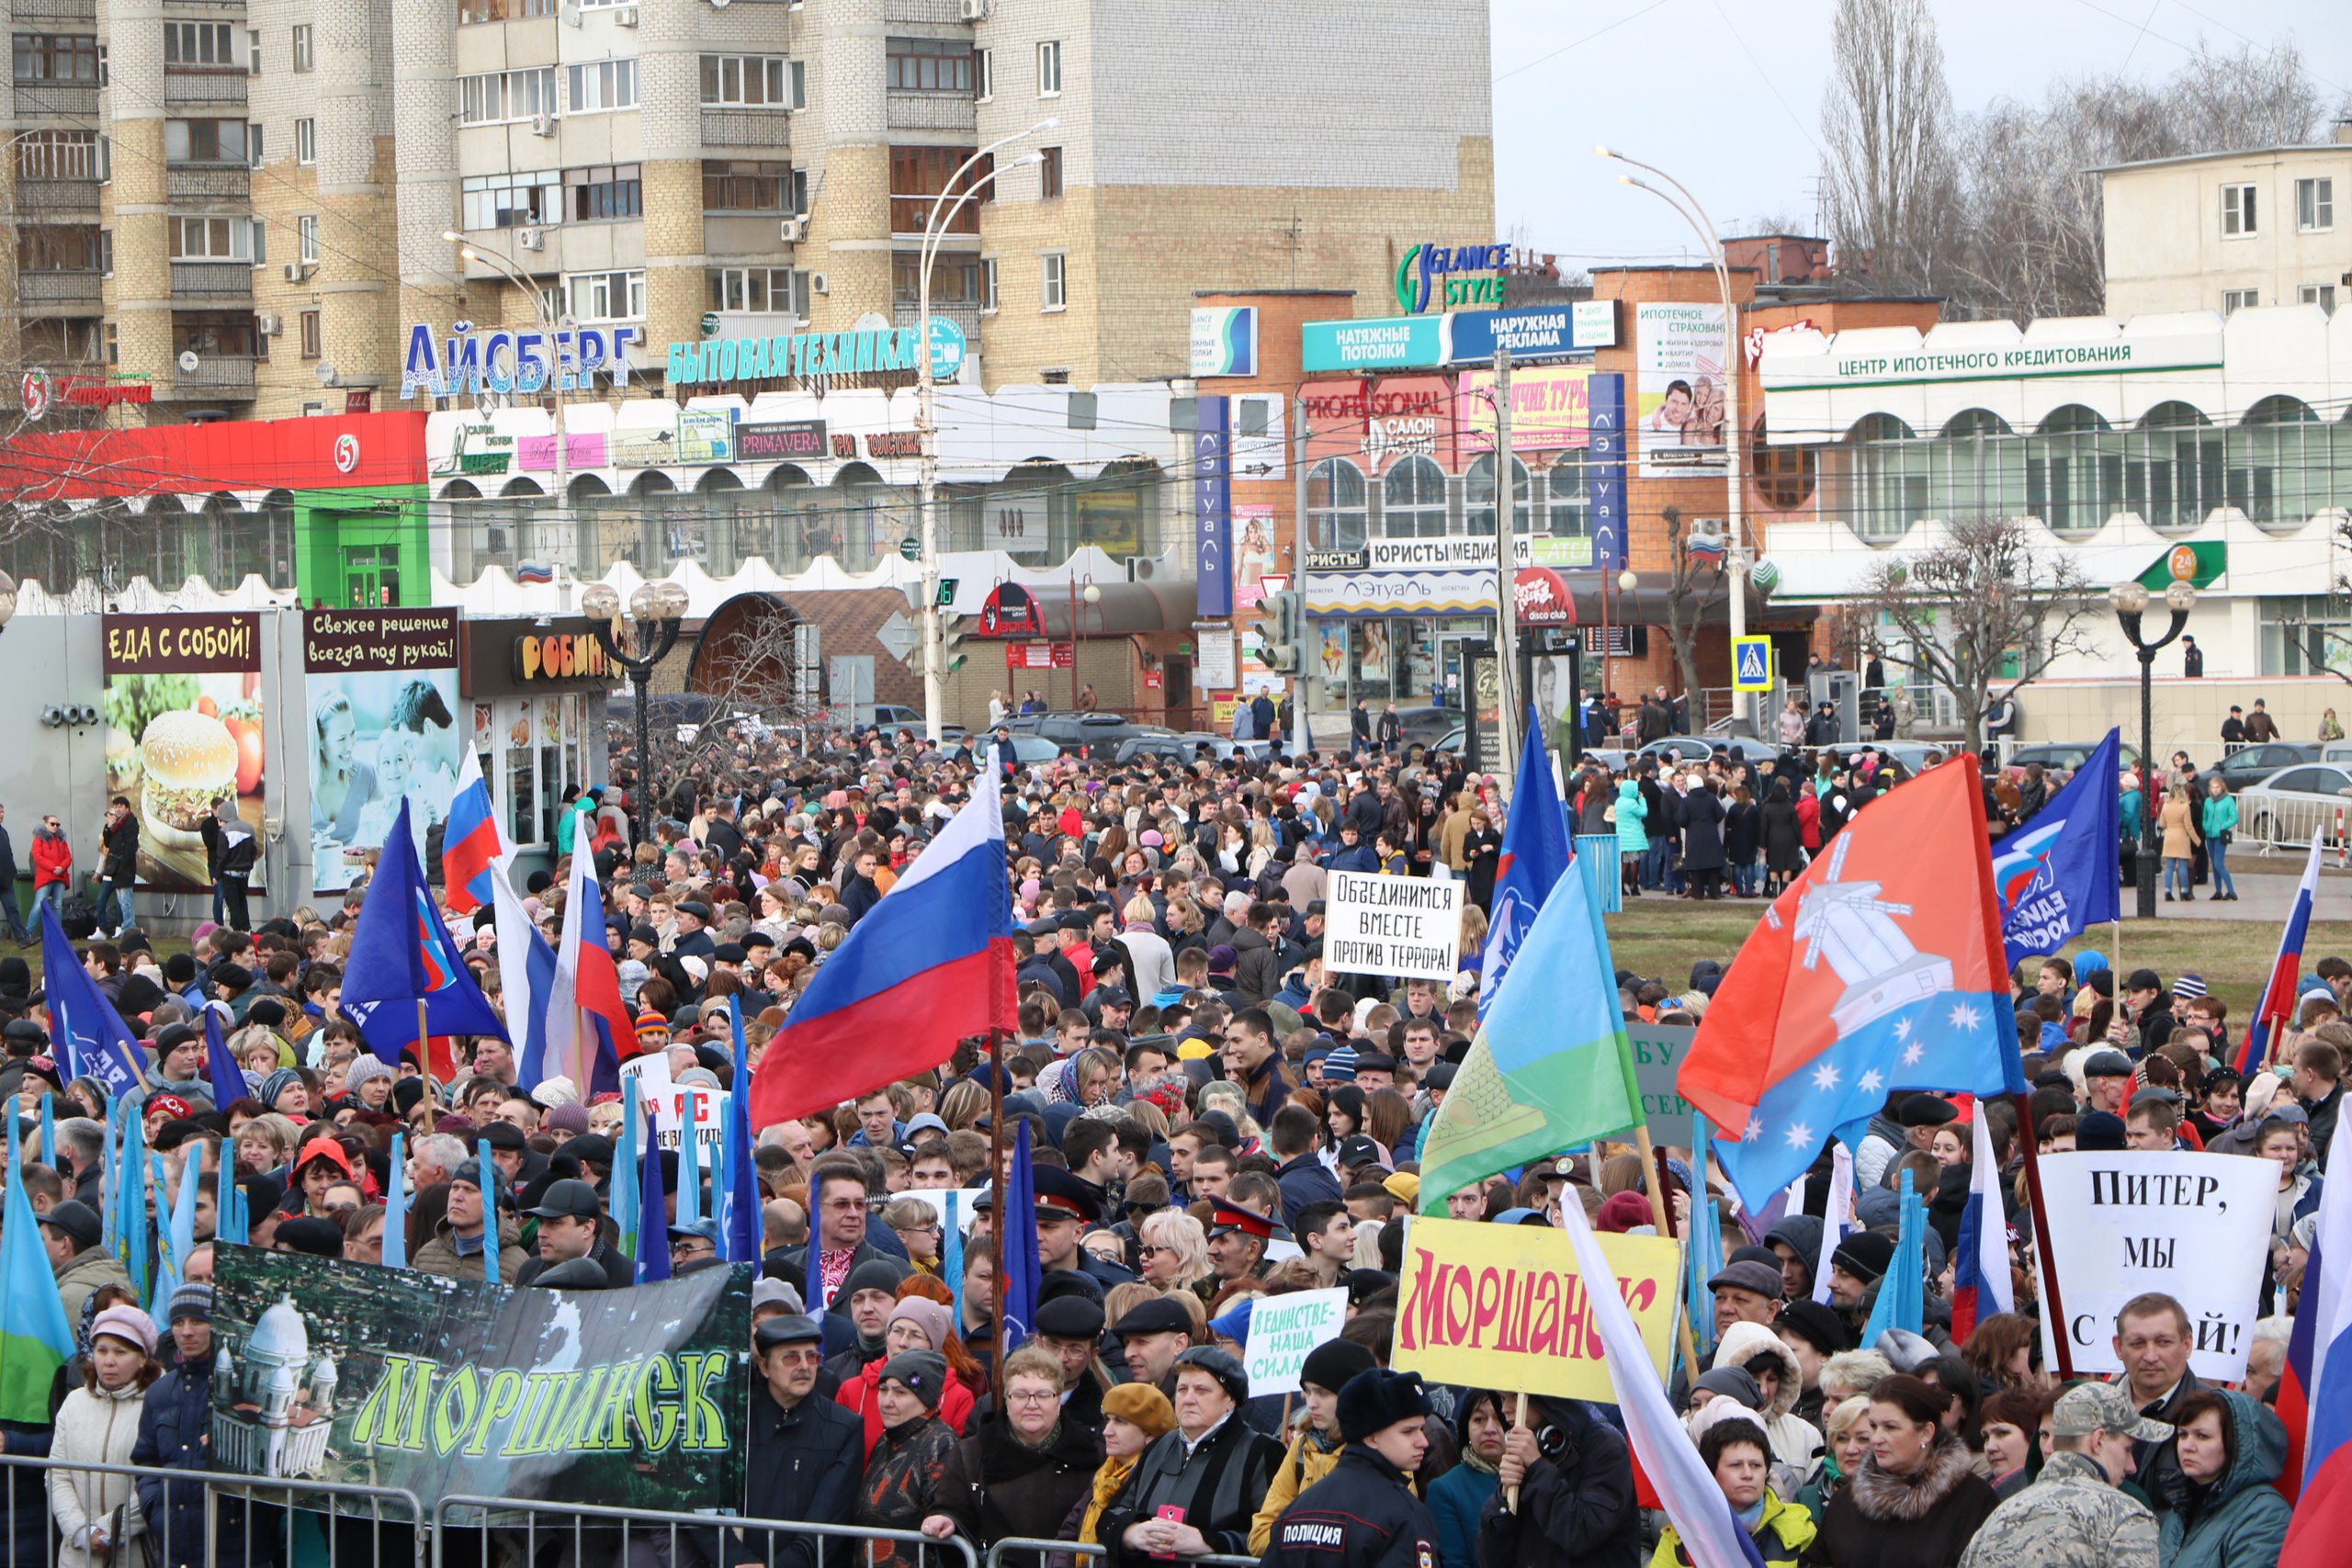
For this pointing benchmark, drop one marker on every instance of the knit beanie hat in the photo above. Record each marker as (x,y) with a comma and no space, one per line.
(194,1301)
(1334,1363)
(1374,1400)
(923,1372)
(364,1070)
(1141,1405)
(933,1319)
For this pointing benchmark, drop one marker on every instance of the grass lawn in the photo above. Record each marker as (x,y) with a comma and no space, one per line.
(1659,938)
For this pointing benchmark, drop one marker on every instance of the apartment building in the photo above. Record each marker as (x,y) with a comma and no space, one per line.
(240,208)
(2226,230)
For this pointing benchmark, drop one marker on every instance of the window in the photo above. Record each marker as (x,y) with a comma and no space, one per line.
(929,65)
(1335,507)
(738,184)
(1412,500)
(2305,635)
(201,46)
(2237,211)
(2320,294)
(603,85)
(303,58)
(503,10)
(1053,282)
(954,280)
(758,81)
(1478,495)
(604,192)
(57,57)
(253,143)
(306,238)
(2315,205)
(2236,299)
(212,239)
(984,74)
(207,140)
(1049,173)
(1571,496)
(606,296)
(306,142)
(988,284)
(59,247)
(308,323)
(229,333)
(1049,69)
(758,290)
(57,155)
(918,175)
(526,199)
(796,85)
(505,95)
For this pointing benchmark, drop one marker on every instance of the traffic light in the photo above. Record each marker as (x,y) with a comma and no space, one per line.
(953,631)
(1285,631)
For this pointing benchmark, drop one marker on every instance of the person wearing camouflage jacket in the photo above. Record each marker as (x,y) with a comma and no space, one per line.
(2073,1515)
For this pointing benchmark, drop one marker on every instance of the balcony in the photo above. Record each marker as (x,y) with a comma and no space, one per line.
(931,111)
(42,291)
(83,11)
(205,87)
(764,129)
(923,13)
(208,181)
(212,280)
(904,314)
(73,99)
(215,376)
(63,197)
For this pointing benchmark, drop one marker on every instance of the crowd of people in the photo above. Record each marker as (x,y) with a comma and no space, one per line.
(1216,1117)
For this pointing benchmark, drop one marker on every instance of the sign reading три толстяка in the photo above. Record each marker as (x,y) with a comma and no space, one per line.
(1404,926)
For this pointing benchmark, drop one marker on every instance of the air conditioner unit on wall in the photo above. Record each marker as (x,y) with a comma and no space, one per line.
(795,230)
(820,283)
(974,10)
(625,15)
(293,273)
(265,324)
(530,240)
(543,123)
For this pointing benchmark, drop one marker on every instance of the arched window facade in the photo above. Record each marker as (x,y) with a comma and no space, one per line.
(1478,497)
(1568,492)
(1412,500)
(1337,513)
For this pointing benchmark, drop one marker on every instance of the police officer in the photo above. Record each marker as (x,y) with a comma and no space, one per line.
(1068,1208)
(1363,1514)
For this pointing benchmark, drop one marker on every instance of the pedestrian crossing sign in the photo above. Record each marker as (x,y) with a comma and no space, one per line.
(1751,664)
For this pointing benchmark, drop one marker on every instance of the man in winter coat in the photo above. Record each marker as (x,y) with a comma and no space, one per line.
(454,1251)
(2073,1515)
(117,867)
(176,1433)
(52,866)
(9,883)
(569,1227)
(808,1454)
(1363,1514)
(72,1233)
(1575,1479)
(229,850)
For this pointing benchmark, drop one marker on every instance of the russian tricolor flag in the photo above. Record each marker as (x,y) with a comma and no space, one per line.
(927,966)
(1981,1285)
(2277,1004)
(472,843)
(584,1025)
(2316,1392)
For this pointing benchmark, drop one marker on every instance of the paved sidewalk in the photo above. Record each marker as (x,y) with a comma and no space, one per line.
(2265,889)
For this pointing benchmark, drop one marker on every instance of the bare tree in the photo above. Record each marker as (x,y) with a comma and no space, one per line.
(2326,647)
(1888,178)
(1981,614)
(1696,585)
(752,678)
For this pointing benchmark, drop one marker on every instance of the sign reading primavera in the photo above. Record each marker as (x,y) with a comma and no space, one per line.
(1393,925)
(340,1372)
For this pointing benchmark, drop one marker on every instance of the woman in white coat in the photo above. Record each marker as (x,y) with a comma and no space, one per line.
(96,1512)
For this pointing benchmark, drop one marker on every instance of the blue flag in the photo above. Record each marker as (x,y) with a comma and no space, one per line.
(228,1079)
(1017,1292)
(738,1200)
(2054,872)
(396,1208)
(490,1222)
(400,952)
(90,1037)
(1535,856)
(624,1188)
(1902,1291)
(653,1217)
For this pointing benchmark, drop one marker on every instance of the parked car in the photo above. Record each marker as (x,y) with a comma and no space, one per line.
(1185,747)
(1032,751)
(2056,756)
(1084,733)
(1916,756)
(2253,764)
(2286,807)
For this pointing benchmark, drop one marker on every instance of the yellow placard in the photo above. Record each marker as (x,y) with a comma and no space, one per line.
(1503,1306)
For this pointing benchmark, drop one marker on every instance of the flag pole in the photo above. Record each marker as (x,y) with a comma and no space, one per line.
(1518,1424)
(1665,1228)
(996,1185)
(424,1053)
(2053,1312)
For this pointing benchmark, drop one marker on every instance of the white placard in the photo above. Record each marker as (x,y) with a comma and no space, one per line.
(2194,1226)
(1284,1330)
(1404,926)
(669,1099)
(1215,666)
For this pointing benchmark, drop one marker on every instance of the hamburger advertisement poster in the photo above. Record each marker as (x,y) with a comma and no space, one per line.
(183,731)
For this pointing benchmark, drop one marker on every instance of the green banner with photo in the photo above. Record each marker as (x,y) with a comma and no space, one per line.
(347,1372)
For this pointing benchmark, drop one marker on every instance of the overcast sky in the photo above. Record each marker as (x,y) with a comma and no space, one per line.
(1726,96)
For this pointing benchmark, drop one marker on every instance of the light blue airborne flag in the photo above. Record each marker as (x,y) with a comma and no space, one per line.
(2054,872)
(1535,856)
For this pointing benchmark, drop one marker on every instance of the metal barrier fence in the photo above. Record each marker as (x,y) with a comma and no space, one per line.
(469,1531)
(226,1521)
(2287,823)
(1033,1550)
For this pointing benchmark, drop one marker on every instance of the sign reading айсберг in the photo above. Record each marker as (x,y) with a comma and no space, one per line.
(1404,926)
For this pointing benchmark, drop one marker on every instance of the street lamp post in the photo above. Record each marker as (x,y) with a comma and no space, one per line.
(654,612)
(1627,580)
(1091,593)
(1736,556)
(2131,601)
(473,252)
(943,212)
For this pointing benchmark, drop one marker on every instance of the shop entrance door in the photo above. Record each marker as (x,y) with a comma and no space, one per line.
(371,576)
